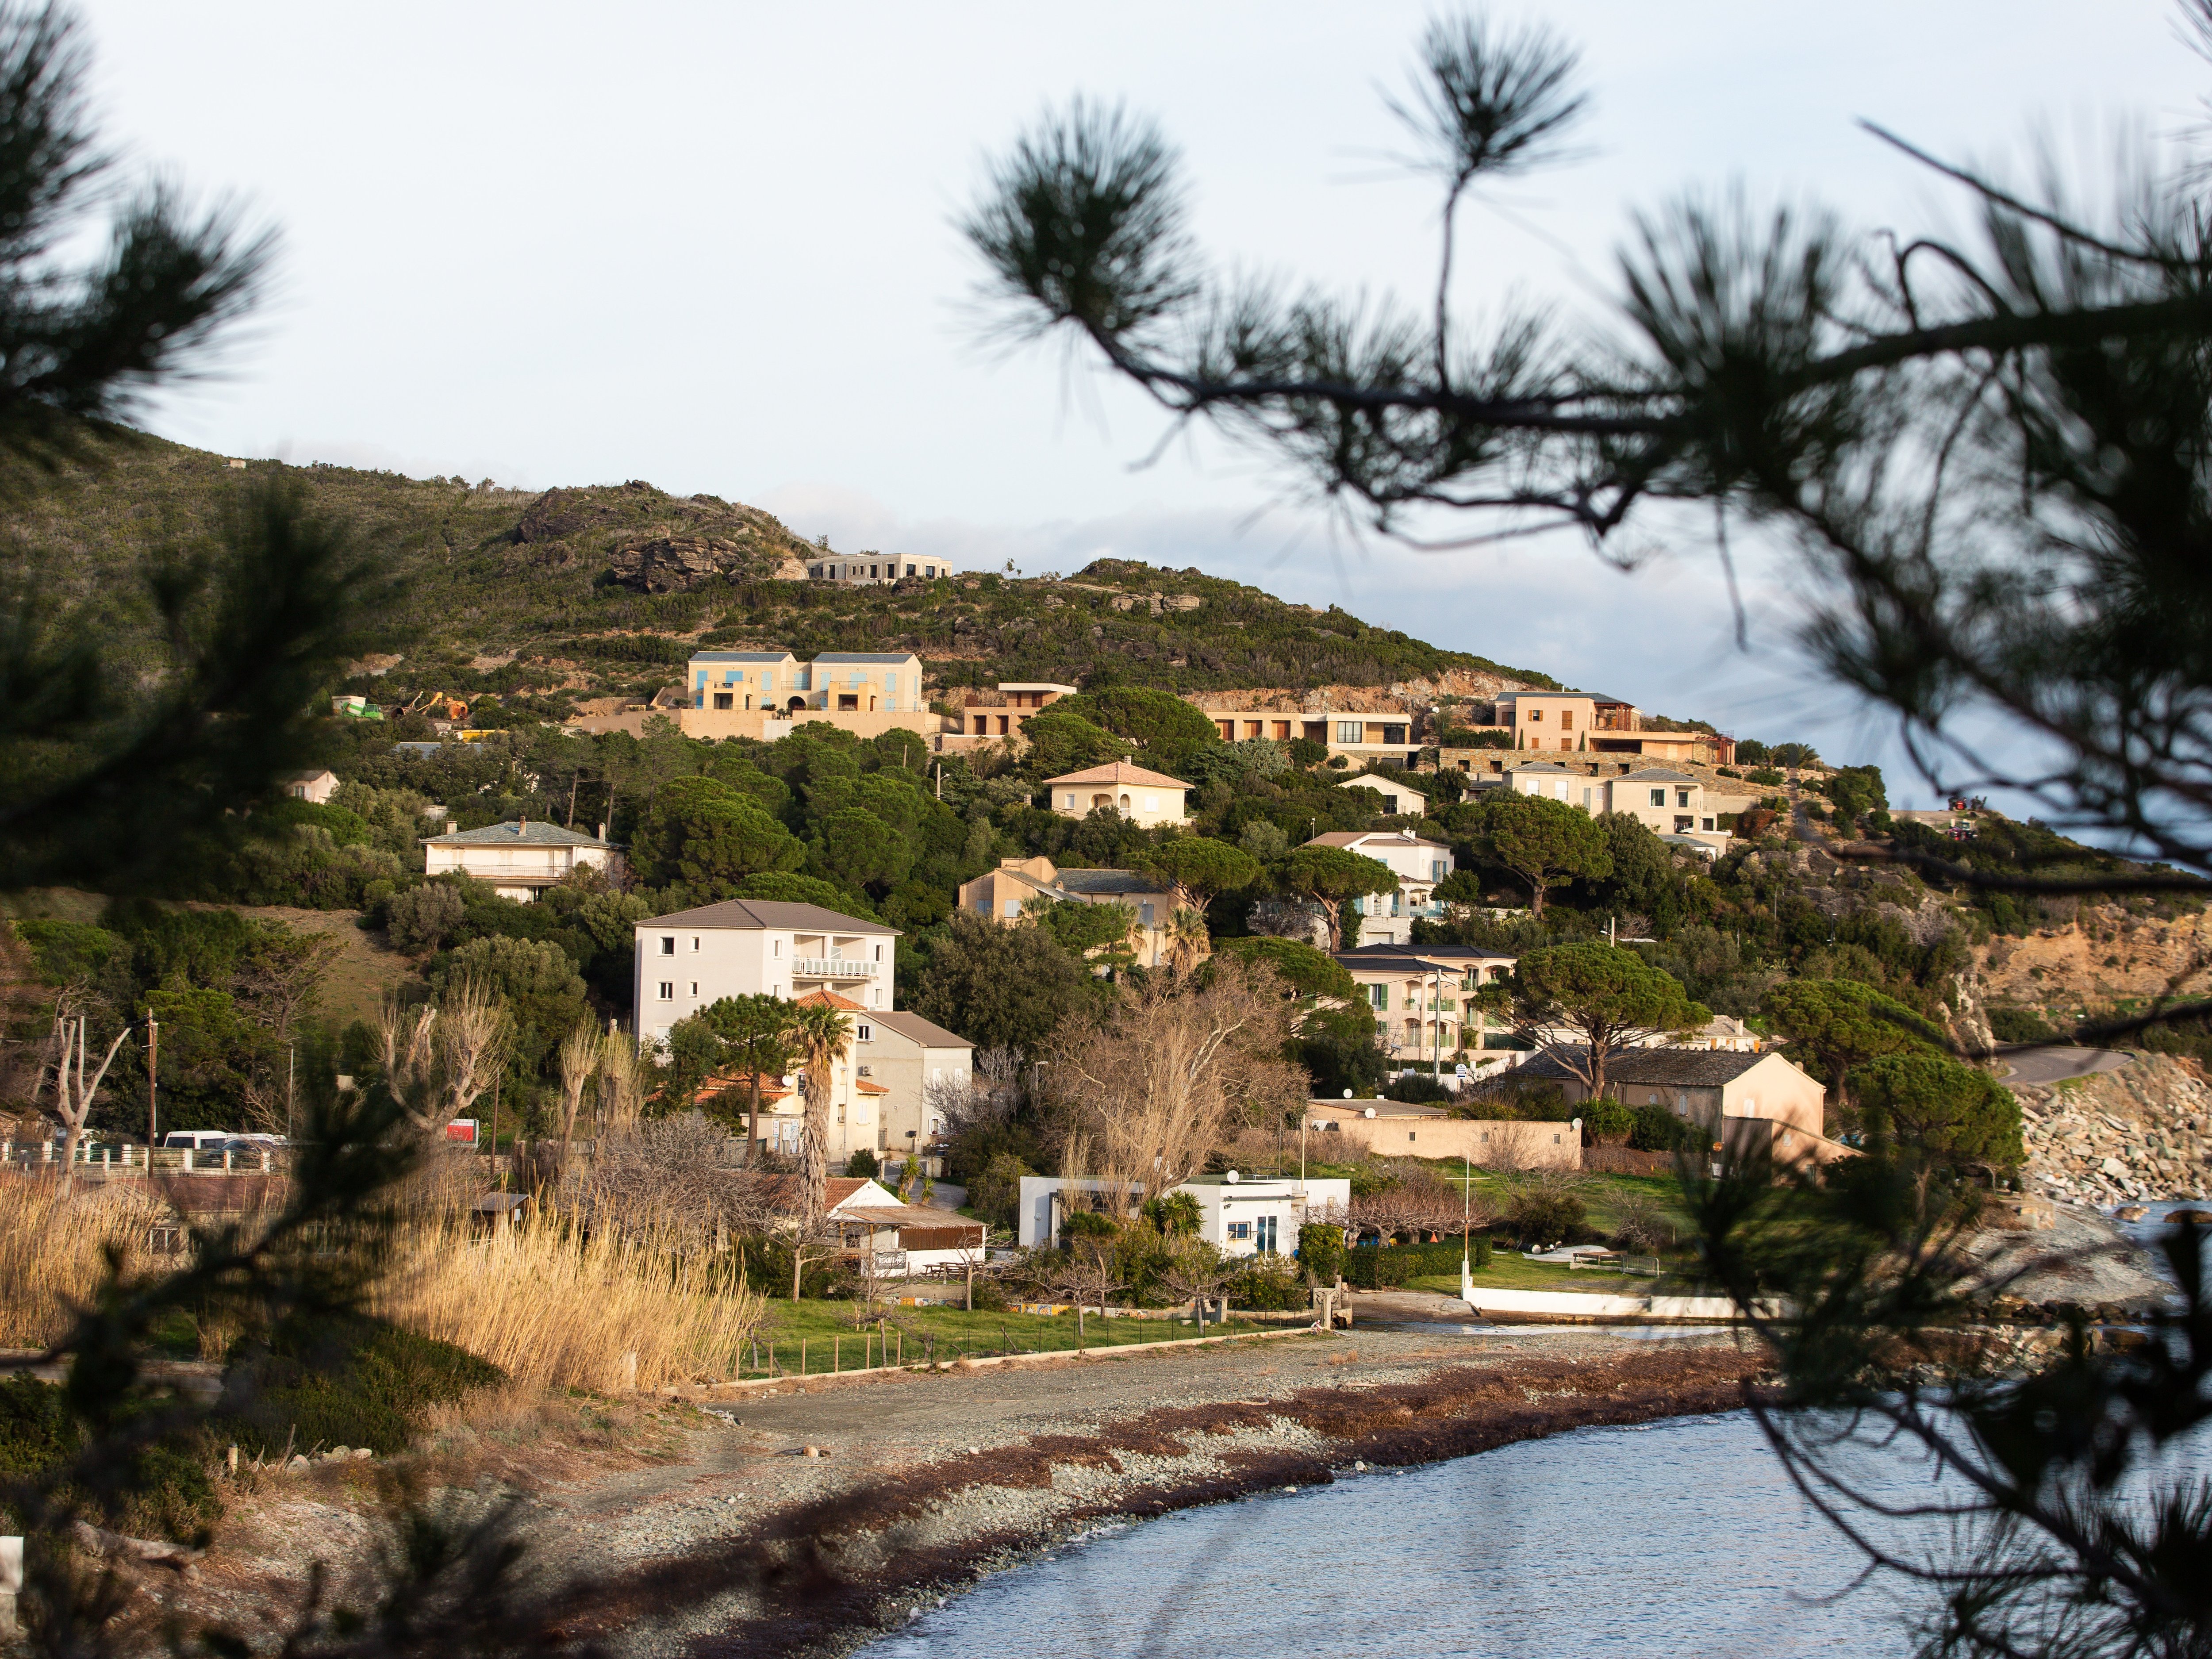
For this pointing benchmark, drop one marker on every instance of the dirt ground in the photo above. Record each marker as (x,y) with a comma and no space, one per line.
(705,1528)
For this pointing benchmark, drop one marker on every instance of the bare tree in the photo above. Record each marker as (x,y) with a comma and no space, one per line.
(1145,1091)
(985,1096)
(622,1083)
(579,1056)
(73,1095)
(473,1030)
(1195,1271)
(1087,1274)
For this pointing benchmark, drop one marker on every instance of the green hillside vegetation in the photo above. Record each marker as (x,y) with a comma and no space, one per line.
(492,573)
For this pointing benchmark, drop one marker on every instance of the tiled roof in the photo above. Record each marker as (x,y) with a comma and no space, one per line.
(1659,772)
(782,1192)
(1440,952)
(833,999)
(520,833)
(745,915)
(1120,772)
(1363,838)
(1688,1068)
(915,1029)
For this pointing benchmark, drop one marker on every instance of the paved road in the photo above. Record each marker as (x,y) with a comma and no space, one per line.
(2057,1065)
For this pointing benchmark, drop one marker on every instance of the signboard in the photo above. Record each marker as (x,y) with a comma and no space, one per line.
(463,1129)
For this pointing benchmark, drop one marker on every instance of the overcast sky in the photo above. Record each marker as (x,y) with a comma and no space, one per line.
(710,246)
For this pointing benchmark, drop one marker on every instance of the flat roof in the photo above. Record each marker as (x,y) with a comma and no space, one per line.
(740,656)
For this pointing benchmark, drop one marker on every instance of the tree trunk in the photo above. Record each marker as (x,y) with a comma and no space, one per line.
(797,1267)
(1081,1337)
(752,1130)
(1536,894)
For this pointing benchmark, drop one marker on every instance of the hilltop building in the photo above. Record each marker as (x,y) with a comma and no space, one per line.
(748,947)
(977,715)
(874,569)
(1418,863)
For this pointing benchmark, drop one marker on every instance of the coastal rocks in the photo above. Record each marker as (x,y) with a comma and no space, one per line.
(2133,1135)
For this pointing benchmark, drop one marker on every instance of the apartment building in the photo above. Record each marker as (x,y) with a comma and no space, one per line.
(1389,737)
(873,569)
(1006,893)
(1580,722)
(748,947)
(1141,795)
(1672,805)
(517,860)
(1418,863)
(1422,996)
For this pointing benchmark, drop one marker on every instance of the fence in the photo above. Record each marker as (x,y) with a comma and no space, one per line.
(129,1158)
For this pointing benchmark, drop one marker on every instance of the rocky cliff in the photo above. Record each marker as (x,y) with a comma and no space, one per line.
(2143,1132)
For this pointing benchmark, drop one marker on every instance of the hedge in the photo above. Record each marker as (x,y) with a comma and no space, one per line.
(1371,1268)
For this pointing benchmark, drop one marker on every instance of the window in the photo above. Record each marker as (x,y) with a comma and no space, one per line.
(1566,720)
(775,947)
(1560,790)
(1412,1136)
(668,990)
(879,953)
(1350,732)
(668,945)
(983,904)
(695,987)
(1013,907)
(1394,734)
(1144,914)
(1681,798)
(695,941)
(1397,902)
(1658,797)
(1586,800)
(724,700)
(1239,1229)
(864,1034)
(910,570)
(1704,824)
(1152,803)
(1067,801)
(1380,996)
(1535,714)
(1436,870)
(1266,1233)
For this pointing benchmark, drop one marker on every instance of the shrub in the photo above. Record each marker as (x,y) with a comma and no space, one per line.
(1266,1285)
(1321,1250)
(1371,1268)
(343,1381)
(765,1261)
(1607,1122)
(1764,775)
(995,1194)
(1544,1212)
(1658,1130)
(423,918)
(167,1493)
(1304,752)
(1088,1224)
(1418,1089)
(2020,1025)
(1642,1225)
(863,1163)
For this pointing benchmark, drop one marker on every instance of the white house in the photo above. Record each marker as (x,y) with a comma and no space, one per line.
(869,1223)
(1418,863)
(1259,1216)
(517,859)
(1397,799)
(748,947)
(316,787)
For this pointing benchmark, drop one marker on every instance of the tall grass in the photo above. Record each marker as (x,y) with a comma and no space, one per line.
(608,1310)
(54,1249)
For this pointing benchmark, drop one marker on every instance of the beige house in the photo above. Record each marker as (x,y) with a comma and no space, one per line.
(1337,1130)
(1743,1099)
(1143,797)
(983,716)
(1667,802)
(1390,735)
(315,786)
(1551,721)
(1006,893)
(908,1056)
(516,859)
(748,947)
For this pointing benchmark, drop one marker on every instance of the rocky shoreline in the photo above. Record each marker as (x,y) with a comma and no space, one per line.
(714,1536)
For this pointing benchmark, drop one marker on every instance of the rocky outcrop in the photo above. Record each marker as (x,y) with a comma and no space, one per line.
(677,564)
(2141,1133)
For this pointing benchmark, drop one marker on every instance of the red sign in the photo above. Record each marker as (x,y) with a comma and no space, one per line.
(462,1129)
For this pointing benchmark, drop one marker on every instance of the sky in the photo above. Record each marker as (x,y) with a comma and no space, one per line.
(713,246)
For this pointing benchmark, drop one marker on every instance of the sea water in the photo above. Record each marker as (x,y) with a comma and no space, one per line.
(1682,1537)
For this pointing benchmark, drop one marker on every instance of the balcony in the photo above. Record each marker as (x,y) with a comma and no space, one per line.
(834,968)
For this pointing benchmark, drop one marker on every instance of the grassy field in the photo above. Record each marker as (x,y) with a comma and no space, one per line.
(828,1330)
(361,972)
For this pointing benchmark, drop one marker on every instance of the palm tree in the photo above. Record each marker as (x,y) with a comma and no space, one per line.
(820,1037)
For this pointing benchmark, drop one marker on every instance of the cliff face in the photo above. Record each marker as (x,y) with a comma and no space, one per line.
(2104,958)
(2143,1132)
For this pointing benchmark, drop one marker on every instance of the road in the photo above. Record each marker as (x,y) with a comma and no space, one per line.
(2058,1065)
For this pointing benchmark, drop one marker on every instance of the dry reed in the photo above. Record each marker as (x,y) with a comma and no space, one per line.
(548,1303)
(54,1242)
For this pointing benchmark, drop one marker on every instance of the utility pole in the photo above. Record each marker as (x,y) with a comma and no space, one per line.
(291,1070)
(153,1071)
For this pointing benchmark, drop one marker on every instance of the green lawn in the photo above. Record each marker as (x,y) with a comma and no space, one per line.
(832,1342)
(1508,1272)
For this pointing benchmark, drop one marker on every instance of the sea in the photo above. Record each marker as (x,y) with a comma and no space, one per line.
(1682,1537)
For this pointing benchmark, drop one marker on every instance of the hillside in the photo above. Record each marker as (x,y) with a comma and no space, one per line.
(546,599)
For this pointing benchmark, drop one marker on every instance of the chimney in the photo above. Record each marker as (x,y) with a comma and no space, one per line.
(453,826)
(603,829)
(522,824)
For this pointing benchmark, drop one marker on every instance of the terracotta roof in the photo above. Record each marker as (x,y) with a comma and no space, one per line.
(746,916)
(833,999)
(863,1086)
(741,1084)
(1120,772)
(1362,837)
(781,1191)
